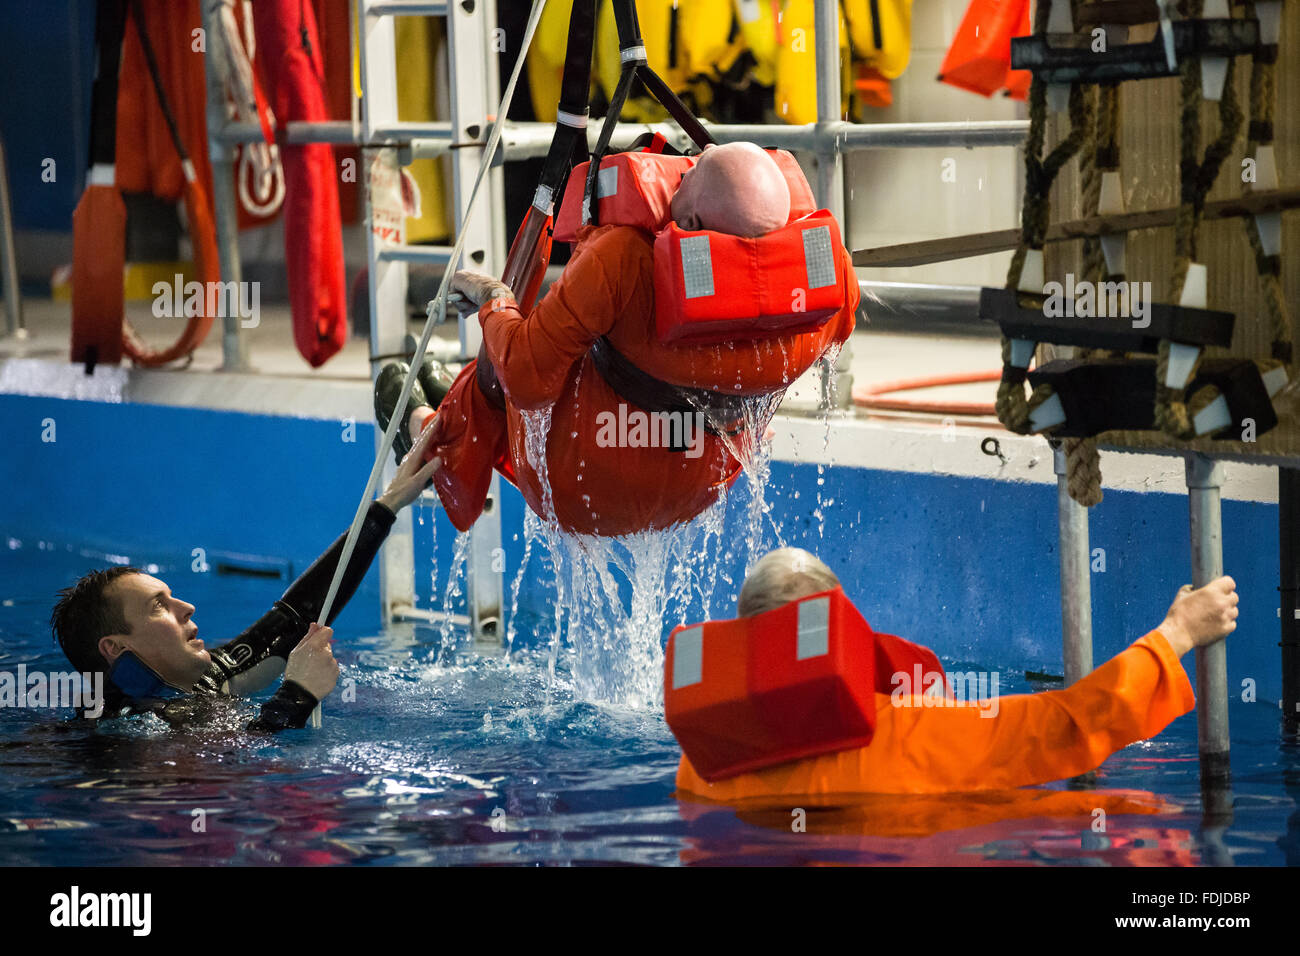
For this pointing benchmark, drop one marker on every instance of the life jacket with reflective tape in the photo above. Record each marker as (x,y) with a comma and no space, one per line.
(710,286)
(793,682)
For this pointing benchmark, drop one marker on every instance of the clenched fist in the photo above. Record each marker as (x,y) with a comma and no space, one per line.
(479,287)
(312,665)
(1201,616)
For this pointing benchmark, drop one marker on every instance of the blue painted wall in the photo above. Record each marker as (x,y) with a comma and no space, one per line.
(48,67)
(968,566)
(152,483)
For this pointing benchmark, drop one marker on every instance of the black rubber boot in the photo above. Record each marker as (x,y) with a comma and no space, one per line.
(388,388)
(436,381)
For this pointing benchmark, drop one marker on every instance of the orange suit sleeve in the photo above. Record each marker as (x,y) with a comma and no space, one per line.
(534,355)
(1007,742)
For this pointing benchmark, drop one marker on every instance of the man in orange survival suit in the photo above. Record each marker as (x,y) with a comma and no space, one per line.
(1030,739)
(606,294)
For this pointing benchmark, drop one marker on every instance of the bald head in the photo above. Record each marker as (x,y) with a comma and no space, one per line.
(737,189)
(782,576)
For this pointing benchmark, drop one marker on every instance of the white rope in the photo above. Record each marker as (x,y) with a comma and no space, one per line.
(259,163)
(437,311)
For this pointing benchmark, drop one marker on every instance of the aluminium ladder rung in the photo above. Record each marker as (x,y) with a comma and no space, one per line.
(407,8)
(415,253)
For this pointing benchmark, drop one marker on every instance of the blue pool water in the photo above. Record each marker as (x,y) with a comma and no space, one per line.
(479,759)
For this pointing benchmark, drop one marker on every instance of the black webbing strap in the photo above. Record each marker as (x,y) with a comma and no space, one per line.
(575,93)
(110,27)
(634,68)
(651,394)
(568,145)
(137,17)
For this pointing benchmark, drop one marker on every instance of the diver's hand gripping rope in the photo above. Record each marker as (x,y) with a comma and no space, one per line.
(438,308)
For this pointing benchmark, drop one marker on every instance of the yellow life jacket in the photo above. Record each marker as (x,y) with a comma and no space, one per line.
(417,45)
(759,31)
(890,55)
(656,19)
(796,65)
(703,29)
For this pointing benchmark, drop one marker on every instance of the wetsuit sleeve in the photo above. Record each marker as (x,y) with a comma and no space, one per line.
(533,356)
(289,708)
(1012,741)
(257,657)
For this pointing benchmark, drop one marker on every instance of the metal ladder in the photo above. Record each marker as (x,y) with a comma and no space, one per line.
(474,94)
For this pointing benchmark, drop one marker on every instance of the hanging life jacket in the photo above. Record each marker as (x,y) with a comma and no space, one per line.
(979,58)
(710,286)
(797,681)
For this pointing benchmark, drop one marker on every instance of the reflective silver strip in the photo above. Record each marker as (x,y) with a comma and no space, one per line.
(575,120)
(606,182)
(814,629)
(544,199)
(697,267)
(688,657)
(819,257)
(102,174)
(632,53)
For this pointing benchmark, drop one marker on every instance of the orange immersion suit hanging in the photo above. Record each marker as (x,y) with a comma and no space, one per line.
(607,290)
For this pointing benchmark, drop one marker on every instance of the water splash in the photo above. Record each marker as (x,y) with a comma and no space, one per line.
(451,599)
(615,596)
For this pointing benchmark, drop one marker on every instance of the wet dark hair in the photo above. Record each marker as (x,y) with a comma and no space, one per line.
(85,612)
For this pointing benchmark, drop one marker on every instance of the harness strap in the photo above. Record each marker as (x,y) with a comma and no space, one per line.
(651,394)
(632,53)
(568,146)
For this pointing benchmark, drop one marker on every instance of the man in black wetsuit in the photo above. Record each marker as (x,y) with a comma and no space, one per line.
(129,626)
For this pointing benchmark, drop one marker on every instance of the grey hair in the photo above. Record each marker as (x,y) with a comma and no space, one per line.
(782,576)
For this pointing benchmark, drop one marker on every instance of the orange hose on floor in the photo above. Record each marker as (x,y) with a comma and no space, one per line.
(868,396)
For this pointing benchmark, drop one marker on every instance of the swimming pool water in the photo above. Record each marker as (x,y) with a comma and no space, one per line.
(485,759)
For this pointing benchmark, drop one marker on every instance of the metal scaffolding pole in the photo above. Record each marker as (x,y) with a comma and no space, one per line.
(532,140)
(1204,481)
(1076,581)
(836,382)
(388,280)
(1288,524)
(234,344)
(474,97)
(8,260)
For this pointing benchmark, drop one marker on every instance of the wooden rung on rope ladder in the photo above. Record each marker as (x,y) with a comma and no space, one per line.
(1192,327)
(1258,203)
(1183,393)
(1100,395)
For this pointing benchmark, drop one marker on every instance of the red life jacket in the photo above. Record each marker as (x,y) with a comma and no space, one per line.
(710,286)
(793,682)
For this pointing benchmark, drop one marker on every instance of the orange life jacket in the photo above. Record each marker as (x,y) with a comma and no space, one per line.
(710,286)
(793,682)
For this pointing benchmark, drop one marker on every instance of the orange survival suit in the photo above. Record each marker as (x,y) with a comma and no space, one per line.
(964,746)
(606,294)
